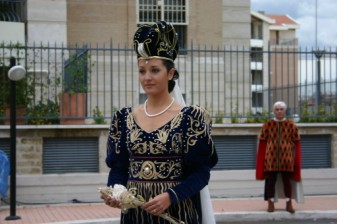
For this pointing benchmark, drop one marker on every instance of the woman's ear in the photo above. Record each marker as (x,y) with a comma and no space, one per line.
(171,73)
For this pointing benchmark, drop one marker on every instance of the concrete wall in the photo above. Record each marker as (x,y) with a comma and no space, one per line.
(236,23)
(46,21)
(242,183)
(35,187)
(12,32)
(29,143)
(205,23)
(210,23)
(98,23)
(56,188)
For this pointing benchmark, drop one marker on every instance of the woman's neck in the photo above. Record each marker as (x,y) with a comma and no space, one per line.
(159,101)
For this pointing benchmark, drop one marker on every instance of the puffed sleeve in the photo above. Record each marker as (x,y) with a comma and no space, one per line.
(117,154)
(295,135)
(261,151)
(264,134)
(296,138)
(199,154)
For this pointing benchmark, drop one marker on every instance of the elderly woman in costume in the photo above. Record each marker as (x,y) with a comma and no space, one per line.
(162,148)
(279,158)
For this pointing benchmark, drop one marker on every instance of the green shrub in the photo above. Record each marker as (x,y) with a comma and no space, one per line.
(260,118)
(43,113)
(98,116)
(219,118)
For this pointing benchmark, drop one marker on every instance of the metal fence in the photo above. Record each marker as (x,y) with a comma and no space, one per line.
(86,84)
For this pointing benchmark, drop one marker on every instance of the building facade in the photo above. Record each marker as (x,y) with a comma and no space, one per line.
(274,61)
(46,153)
(246,77)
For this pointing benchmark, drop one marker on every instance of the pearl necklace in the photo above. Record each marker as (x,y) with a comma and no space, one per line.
(161,112)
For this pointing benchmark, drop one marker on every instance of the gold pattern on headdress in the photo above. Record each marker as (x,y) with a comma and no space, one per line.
(156,41)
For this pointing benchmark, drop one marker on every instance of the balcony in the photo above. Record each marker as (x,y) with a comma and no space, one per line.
(255,65)
(284,42)
(258,43)
(257,88)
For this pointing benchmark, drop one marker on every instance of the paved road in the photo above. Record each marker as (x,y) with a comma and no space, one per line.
(312,221)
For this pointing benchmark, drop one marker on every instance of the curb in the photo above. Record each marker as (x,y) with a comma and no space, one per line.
(277,215)
(230,217)
(93,221)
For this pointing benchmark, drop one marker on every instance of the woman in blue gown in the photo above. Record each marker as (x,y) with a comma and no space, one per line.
(161,148)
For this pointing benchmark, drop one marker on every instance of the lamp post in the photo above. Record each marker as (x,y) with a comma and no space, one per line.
(15,73)
(318,54)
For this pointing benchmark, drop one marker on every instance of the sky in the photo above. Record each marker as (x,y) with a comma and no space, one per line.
(304,12)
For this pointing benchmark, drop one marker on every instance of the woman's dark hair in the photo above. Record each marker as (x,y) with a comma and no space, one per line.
(171,83)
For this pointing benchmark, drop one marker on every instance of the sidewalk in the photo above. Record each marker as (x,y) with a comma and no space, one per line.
(226,210)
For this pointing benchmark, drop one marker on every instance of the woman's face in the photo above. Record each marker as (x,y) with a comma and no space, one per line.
(154,76)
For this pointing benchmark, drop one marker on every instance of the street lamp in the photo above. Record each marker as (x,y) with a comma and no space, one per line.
(15,73)
(318,54)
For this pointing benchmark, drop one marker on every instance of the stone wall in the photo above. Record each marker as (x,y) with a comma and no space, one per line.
(29,143)
(35,187)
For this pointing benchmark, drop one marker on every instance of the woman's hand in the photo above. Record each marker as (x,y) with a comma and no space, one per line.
(110,201)
(158,204)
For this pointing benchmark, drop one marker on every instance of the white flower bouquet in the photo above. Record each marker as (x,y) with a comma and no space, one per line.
(130,199)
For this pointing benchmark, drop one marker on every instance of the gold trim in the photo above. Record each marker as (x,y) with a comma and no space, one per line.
(154,57)
(175,194)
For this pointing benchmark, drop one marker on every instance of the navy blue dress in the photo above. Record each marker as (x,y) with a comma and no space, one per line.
(176,158)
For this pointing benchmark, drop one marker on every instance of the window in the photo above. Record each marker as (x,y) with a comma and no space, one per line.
(12,11)
(182,37)
(172,11)
(257,77)
(256,30)
(256,54)
(257,99)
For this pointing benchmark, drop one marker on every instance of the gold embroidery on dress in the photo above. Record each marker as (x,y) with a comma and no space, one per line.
(130,122)
(162,135)
(185,209)
(135,135)
(176,121)
(115,135)
(148,170)
(196,130)
(193,133)
(139,148)
(171,167)
(156,148)
(176,139)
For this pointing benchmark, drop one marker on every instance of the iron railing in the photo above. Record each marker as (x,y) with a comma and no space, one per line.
(236,84)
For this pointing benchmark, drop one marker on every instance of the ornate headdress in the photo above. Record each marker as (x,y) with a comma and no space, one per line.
(156,41)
